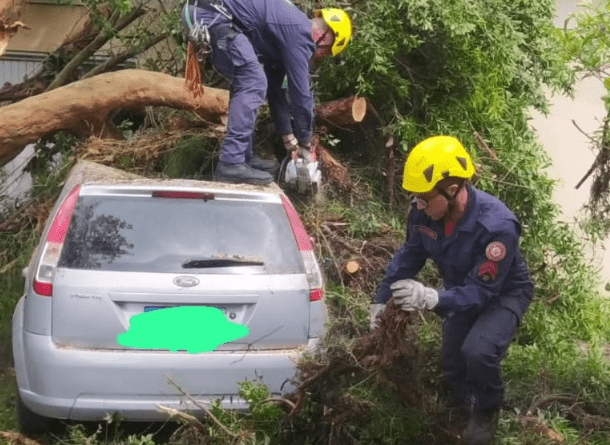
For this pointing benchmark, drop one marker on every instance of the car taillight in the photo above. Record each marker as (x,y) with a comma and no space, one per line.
(43,280)
(314,275)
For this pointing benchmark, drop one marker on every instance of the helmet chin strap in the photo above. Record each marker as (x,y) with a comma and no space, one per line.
(451,199)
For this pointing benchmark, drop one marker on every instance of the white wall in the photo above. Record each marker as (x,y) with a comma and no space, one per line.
(569,148)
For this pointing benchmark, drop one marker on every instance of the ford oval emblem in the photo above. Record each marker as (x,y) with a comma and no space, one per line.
(186,281)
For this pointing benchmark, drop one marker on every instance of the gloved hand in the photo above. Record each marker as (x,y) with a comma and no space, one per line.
(290,142)
(412,295)
(305,153)
(376,309)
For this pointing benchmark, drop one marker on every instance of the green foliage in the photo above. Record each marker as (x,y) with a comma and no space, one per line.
(434,67)
(78,435)
(264,412)
(346,304)
(191,157)
(454,67)
(121,5)
(585,39)
(476,69)
(586,48)
(365,217)
(8,389)
(388,422)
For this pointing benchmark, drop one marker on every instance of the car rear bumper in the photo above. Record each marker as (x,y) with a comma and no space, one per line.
(81,384)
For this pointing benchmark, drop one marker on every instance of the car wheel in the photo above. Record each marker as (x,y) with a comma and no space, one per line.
(29,421)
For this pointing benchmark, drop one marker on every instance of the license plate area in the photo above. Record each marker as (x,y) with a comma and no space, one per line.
(154,308)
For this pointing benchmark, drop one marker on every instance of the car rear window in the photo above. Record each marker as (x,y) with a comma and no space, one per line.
(145,234)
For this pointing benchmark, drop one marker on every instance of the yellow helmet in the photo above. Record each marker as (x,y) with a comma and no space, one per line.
(433,159)
(340,23)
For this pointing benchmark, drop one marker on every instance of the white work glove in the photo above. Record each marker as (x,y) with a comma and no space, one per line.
(376,309)
(411,295)
(305,153)
(290,142)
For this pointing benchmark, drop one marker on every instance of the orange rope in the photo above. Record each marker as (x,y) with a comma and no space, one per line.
(192,74)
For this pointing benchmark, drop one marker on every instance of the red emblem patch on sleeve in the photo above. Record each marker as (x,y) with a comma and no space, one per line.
(488,270)
(426,231)
(495,251)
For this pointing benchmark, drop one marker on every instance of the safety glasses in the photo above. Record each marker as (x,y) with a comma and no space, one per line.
(423,201)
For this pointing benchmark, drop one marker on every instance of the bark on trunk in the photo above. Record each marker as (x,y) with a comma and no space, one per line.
(85,107)
(338,113)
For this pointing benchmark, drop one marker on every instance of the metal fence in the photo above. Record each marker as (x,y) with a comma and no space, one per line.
(15,67)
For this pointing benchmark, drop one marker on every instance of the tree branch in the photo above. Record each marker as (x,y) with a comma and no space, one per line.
(199,405)
(118,59)
(99,41)
(599,155)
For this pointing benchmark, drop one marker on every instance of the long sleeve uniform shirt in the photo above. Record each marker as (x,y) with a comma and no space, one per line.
(480,261)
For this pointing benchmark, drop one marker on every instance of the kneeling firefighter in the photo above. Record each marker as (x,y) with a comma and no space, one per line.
(474,240)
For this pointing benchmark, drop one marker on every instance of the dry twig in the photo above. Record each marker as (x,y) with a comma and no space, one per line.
(202,407)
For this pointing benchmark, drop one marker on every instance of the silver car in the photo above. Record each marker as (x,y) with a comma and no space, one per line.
(114,250)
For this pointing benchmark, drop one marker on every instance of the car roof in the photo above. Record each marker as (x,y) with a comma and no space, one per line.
(87,173)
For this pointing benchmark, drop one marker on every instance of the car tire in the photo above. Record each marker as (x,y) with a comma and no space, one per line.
(29,422)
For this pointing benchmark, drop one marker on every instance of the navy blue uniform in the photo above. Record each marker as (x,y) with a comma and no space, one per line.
(276,34)
(487,289)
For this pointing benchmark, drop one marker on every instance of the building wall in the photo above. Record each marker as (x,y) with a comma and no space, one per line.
(49,24)
(569,147)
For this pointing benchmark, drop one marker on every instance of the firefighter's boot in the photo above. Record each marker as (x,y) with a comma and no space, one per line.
(267,165)
(236,173)
(481,427)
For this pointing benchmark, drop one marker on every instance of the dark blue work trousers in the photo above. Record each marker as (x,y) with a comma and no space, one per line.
(234,57)
(471,352)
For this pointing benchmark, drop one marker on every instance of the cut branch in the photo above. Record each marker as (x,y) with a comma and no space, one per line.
(482,144)
(338,113)
(203,408)
(334,172)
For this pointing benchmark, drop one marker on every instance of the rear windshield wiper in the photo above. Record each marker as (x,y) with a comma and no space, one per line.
(223,260)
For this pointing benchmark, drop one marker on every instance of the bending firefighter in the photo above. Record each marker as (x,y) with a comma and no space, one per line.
(242,35)
(474,240)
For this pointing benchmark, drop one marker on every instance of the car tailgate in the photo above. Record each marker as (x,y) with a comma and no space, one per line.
(91,308)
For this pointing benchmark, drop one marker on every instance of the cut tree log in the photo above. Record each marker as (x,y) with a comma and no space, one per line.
(85,107)
(340,112)
(351,267)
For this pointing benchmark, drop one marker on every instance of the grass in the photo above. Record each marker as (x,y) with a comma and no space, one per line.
(8,389)
(12,289)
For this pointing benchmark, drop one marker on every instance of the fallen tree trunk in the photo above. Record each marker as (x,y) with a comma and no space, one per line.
(85,107)
(338,113)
